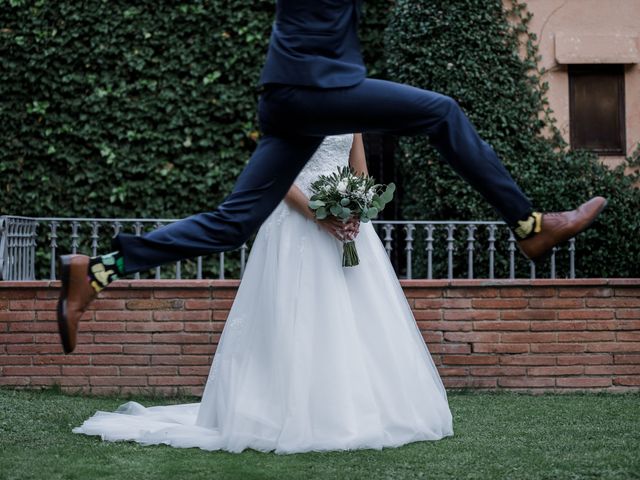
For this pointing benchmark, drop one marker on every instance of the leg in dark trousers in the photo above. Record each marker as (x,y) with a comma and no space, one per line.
(295,120)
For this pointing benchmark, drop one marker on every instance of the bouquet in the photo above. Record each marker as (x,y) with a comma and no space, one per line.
(344,194)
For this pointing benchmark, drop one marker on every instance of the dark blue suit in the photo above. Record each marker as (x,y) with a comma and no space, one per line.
(315,85)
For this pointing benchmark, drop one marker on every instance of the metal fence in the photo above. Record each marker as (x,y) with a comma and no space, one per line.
(417,249)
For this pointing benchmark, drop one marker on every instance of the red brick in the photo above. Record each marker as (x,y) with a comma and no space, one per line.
(556,303)
(632,313)
(180,337)
(457,315)
(14,381)
(22,304)
(14,370)
(628,336)
(193,315)
(154,370)
(120,360)
(500,348)
(557,347)
(201,327)
(61,360)
(154,304)
(432,337)
(510,292)
(586,336)
(4,304)
(122,337)
(499,303)
(627,292)
(420,292)
(444,326)
(123,316)
(557,326)
(450,348)
(202,370)
(471,292)
(179,360)
(199,349)
(631,347)
(33,349)
(614,302)
(527,360)
(628,381)
(15,360)
(612,370)
(595,359)
(585,292)
(181,380)
(528,315)
(44,381)
(554,371)
(182,293)
(470,359)
(221,315)
(45,315)
(92,348)
(229,293)
(497,371)
(14,294)
(430,303)
(603,325)
(526,382)
(155,327)
(104,326)
(529,337)
(417,314)
(16,338)
(87,370)
(152,349)
(121,293)
(17,316)
(472,336)
(501,325)
(469,382)
(35,327)
(107,304)
(46,305)
(119,380)
(583,382)
(626,358)
(588,314)
(628,324)
(453,371)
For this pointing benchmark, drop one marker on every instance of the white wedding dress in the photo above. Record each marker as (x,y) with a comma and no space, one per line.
(313,356)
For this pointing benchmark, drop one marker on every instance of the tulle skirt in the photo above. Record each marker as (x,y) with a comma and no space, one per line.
(314,356)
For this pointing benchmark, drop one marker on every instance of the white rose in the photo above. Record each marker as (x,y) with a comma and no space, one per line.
(342,186)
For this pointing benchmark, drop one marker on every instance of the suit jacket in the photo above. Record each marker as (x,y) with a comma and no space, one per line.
(315,43)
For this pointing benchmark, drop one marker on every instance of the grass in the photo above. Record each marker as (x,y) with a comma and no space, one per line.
(497,436)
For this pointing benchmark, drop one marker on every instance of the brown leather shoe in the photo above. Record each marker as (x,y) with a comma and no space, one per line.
(560,227)
(75,297)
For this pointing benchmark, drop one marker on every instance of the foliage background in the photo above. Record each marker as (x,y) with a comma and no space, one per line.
(147,109)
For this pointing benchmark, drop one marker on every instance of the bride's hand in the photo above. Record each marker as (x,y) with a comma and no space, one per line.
(334,227)
(352,228)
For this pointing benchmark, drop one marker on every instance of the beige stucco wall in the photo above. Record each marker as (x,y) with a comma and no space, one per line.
(589,31)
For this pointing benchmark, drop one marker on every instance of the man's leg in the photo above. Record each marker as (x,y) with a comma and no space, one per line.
(381,106)
(262,185)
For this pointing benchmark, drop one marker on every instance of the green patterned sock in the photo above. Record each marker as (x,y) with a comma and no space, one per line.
(105,269)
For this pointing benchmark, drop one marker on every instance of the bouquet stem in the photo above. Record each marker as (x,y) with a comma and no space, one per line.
(349,255)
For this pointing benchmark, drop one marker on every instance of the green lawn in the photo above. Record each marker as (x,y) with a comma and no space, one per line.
(497,436)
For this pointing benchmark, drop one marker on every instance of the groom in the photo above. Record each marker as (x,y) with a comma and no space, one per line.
(315,85)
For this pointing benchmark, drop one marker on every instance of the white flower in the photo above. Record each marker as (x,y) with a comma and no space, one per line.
(342,186)
(369,195)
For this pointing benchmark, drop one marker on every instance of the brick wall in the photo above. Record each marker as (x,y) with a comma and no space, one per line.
(159,336)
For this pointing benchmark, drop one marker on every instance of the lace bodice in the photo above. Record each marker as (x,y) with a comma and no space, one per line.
(332,153)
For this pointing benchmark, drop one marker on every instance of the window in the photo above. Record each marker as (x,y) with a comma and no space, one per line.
(596,96)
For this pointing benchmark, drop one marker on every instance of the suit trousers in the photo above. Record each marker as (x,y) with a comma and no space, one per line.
(294,120)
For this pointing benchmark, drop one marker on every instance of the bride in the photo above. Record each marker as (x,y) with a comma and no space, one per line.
(313,356)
